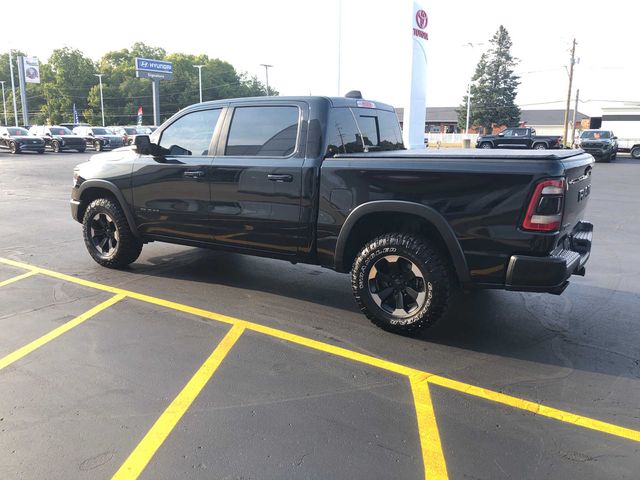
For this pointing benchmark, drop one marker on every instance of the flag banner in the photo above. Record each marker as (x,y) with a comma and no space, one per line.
(139,114)
(75,115)
(31,70)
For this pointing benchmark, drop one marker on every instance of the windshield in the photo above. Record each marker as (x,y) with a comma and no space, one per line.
(131,131)
(60,131)
(595,134)
(101,131)
(17,131)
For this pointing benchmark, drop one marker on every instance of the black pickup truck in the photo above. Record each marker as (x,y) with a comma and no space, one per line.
(524,138)
(327,181)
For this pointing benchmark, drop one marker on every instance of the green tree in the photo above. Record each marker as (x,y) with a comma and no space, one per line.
(65,79)
(494,87)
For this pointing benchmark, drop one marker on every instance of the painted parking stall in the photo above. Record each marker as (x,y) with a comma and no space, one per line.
(419,384)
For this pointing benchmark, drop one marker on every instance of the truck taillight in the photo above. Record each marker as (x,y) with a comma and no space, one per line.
(544,213)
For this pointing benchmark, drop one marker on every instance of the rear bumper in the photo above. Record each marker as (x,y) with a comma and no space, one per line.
(551,274)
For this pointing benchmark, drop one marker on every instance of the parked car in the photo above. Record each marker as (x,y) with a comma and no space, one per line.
(58,138)
(127,133)
(521,138)
(99,138)
(327,181)
(18,140)
(71,126)
(602,144)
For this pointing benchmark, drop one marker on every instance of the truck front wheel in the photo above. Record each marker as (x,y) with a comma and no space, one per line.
(486,145)
(107,235)
(401,283)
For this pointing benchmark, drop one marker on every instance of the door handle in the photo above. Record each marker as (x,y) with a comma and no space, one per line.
(280,178)
(194,173)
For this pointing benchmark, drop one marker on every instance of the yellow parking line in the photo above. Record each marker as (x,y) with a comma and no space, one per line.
(43,340)
(538,409)
(9,281)
(560,415)
(146,449)
(435,466)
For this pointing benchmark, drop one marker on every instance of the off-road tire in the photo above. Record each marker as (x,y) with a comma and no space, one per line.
(437,280)
(128,247)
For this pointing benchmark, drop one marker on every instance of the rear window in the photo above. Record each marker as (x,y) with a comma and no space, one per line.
(362,130)
(263,131)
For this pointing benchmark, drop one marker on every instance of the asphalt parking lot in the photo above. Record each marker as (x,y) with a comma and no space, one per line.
(196,364)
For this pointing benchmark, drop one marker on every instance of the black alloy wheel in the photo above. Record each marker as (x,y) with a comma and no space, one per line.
(397,286)
(104,235)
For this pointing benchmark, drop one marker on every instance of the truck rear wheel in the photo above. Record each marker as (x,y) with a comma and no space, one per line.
(401,283)
(539,146)
(107,235)
(635,152)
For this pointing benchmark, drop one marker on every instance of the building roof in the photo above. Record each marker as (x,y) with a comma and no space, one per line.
(530,117)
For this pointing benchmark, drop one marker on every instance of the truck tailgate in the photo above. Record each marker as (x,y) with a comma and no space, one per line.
(578,177)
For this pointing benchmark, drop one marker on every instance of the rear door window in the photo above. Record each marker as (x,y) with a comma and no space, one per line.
(263,131)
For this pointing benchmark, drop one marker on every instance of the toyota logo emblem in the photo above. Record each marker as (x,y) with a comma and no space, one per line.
(422,19)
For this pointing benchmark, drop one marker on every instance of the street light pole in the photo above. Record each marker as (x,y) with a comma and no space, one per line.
(99,75)
(199,67)
(4,104)
(13,89)
(471,45)
(266,73)
(466,130)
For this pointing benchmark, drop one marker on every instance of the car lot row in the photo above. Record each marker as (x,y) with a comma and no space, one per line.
(58,138)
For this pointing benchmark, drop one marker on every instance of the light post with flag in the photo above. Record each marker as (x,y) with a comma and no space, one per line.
(139,115)
(76,121)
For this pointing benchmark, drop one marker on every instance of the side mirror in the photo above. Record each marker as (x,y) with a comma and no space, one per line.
(614,138)
(143,145)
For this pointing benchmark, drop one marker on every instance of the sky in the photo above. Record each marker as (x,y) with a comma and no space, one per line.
(303,42)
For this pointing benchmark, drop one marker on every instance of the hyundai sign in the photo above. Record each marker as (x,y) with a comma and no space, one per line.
(154,69)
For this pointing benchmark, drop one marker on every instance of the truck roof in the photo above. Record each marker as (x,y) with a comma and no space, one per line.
(333,101)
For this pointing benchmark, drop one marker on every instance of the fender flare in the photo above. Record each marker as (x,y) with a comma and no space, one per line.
(397,206)
(115,191)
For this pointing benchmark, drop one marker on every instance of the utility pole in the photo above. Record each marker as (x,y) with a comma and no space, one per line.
(99,75)
(575,112)
(566,112)
(13,89)
(266,73)
(199,67)
(4,103)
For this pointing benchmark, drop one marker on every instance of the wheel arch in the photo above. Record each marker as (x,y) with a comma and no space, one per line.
(90,190)
(374,218)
